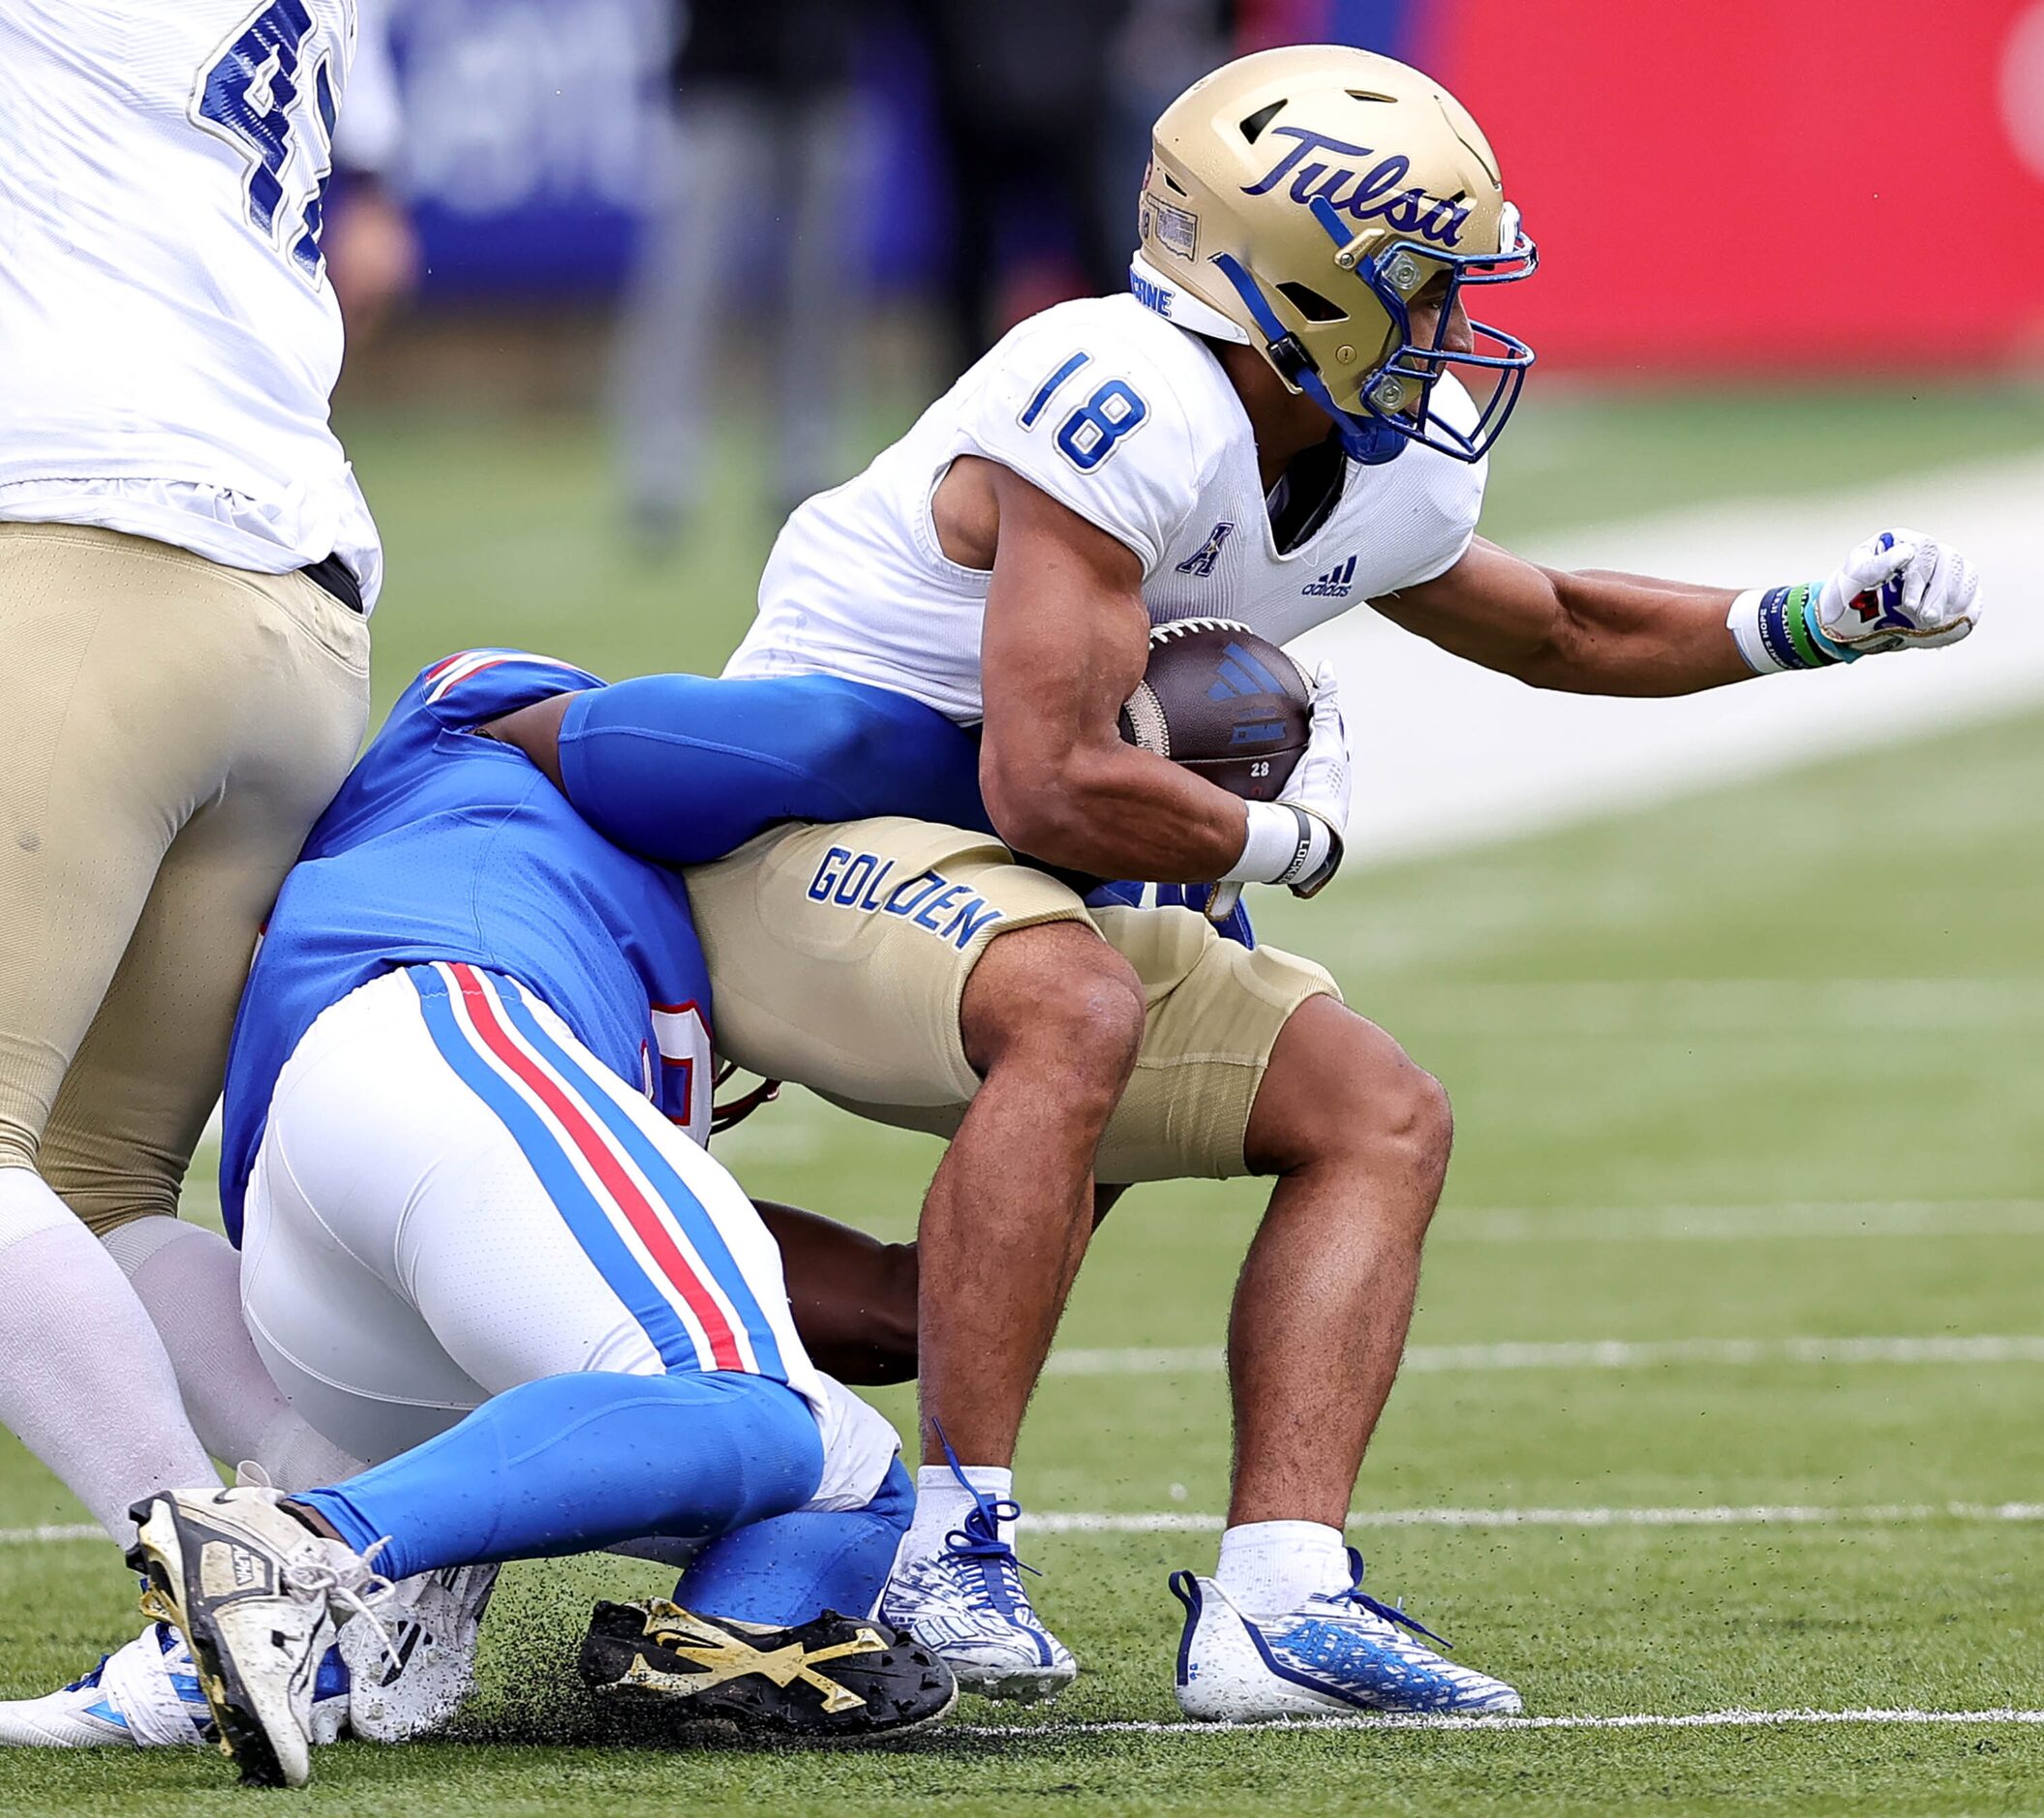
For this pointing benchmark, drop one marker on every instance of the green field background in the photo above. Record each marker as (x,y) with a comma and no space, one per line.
(1761,1064)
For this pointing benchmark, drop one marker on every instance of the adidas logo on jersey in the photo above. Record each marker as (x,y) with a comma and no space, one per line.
(1334,584)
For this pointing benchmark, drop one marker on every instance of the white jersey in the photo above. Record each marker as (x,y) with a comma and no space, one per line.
(1132,423)
(168,336)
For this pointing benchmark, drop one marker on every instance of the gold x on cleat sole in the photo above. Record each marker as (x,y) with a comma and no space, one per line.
(831,1678)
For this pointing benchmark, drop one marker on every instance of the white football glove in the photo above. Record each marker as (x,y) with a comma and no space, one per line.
(1319,782)
(1317,788)
(1898,590)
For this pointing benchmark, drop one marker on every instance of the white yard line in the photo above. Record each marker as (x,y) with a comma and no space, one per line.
(1176,1521)
(1627,1720)
(1723,1515)
(1595,1354)
(1741,1007)
(1454,755)
(1705,1223)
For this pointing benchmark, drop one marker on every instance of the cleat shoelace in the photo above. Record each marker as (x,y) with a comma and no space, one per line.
(978,1540)
(310,1575)
(1356,1596)
(980,1537)
(1390,1612)
(982,1568)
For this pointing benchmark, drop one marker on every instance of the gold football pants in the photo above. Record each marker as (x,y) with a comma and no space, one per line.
(838,958)
(173,729)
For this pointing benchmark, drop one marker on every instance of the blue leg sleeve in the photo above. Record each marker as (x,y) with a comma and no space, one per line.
(683,769)
(784,1571)
(573,1463)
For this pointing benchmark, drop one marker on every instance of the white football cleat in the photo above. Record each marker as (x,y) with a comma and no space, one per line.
(143,1695)
(411,1685)
(256,1594)
(967,1606)
(146,1695)
(1341,1653)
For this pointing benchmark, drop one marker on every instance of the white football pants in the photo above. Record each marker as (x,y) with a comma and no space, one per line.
(453,1196)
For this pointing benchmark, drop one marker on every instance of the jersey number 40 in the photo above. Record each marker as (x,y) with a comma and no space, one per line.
(270,94)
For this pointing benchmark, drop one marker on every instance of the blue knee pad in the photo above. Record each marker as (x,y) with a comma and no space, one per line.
(574,1463)
(784,1571)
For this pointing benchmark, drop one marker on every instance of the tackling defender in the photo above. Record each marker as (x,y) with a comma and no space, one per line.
(415,1238)
(465,1108)
(1270,429)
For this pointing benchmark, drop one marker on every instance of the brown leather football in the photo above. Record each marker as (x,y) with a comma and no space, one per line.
(1221,701)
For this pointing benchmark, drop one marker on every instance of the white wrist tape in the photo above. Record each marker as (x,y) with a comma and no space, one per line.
(1283,844)
(1743,622)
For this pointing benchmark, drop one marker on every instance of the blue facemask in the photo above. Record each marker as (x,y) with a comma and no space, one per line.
(1375,435)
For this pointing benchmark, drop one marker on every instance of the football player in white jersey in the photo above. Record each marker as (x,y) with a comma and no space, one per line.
(1273,427)
(185,572)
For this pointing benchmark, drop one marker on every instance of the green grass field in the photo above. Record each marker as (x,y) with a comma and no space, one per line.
(1757,1066)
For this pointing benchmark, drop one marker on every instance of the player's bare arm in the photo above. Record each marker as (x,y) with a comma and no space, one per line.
(853,1296)
(1597,633)
(535,730)
(1065,643)
(1591,632)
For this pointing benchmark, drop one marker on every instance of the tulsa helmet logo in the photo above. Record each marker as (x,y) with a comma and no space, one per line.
(1371,194)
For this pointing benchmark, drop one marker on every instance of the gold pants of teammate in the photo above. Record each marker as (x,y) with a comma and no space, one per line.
(172,730)
(839,956)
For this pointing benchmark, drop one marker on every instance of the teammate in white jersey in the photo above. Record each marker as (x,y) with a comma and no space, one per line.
(186,569)
(1270,427)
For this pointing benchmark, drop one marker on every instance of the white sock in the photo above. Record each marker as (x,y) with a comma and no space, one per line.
(1269,1568)
(85,1384)
(190,1280)
(942,1504)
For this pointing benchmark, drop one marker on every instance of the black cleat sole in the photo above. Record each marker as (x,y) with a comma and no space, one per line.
(836,1679)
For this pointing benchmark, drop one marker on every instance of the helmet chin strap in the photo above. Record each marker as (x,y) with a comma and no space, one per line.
(1369,440)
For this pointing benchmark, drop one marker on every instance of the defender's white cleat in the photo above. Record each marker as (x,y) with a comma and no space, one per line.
(256,1596)
(1333,1655)
(143,1695)
(147,1695)
(967,1606)
(412,1687)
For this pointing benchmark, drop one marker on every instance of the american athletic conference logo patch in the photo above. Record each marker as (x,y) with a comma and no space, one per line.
(1202,560)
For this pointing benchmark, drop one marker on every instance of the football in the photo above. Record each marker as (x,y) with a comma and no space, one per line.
(1221,701)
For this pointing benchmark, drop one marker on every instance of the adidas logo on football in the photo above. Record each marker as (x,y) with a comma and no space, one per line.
(1239,676)
(1334,584)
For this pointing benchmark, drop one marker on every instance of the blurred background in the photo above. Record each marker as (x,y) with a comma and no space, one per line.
(626,279)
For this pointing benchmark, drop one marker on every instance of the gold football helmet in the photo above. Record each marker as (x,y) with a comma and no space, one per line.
(1297,200)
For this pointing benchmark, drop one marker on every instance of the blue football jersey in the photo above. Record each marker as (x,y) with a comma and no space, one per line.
(443,845)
